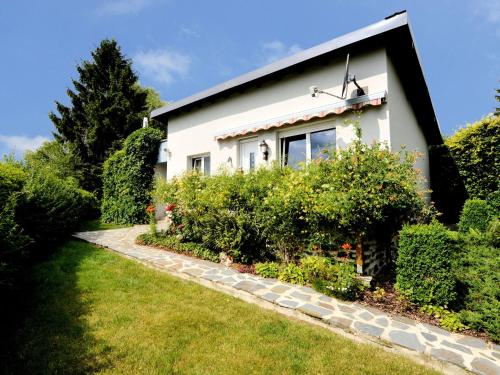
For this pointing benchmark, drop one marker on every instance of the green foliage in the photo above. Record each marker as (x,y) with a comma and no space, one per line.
(277,212)
(476,150)
(378,293)
(54,158)
(341,283)
(476,214)
(267,269)
(50,208)
(106,106)
(316,267)
(447,319)
(172,243)
(12,179)
(292,273)
(478,271)
(424,264)
(128,178)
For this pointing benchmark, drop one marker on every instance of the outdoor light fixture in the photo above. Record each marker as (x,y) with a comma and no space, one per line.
(264,148)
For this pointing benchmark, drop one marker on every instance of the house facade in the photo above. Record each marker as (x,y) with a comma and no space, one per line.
(270,115)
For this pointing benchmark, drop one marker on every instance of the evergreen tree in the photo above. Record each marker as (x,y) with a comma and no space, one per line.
(106,106)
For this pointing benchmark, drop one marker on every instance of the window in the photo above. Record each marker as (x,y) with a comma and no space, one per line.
(201,164)
(299,148)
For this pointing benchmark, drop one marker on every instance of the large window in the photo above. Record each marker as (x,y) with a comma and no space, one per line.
(297,148)
(201,164)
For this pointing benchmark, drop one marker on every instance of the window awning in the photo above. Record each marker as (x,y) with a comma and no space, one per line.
(337,108)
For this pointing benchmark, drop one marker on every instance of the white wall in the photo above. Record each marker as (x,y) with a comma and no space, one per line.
(192,133)
(404,128)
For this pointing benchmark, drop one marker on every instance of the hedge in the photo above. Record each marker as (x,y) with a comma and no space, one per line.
(476,150)
(476,214)
(424,264)
(128,178)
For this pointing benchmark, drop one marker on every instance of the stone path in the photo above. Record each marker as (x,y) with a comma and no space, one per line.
(467,352)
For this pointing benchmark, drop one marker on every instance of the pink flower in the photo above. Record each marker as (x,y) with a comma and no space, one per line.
(180,227)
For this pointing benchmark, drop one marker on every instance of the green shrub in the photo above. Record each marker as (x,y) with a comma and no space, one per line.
(292,274)
(478,272)
(475,149)
(476,214)
(12,179)
(342,283)
(172,243)
(424,264)
(316,267)
(267,269)
(128,178)
(448,320)
(50,208)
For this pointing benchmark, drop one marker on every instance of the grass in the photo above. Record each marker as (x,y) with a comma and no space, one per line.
(97,224)
(94,311)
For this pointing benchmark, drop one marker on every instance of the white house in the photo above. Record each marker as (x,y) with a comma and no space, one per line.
(269,114)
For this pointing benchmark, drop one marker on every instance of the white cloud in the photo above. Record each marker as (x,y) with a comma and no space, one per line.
(277,50)
(163,65)
(121,7)
(19,144)
(189,32)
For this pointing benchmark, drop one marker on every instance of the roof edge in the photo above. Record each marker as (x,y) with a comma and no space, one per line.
(389,23)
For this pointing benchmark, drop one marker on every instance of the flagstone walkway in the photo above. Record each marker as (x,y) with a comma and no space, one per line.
(467,352)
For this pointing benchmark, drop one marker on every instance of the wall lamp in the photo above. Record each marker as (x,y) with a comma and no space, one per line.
(264,148)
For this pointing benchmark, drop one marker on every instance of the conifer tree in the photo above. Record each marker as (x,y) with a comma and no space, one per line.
(106,106)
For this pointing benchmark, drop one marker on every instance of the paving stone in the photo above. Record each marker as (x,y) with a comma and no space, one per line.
(368,329)
(280,288)
(366,315)
(382,322)
(448,356)
(408,340)
(287,303)
(212,277)
(337,321)
(227,272)
(435,329)
(456,346)
(327,299)
(270,296)
(346,309)
(404,320)
(228,280)
(429,337)
(306,289)
(301,296)
(248,286)
(483,366)
(315,311)
(472,341)
(193,271)
(399,325)
(374,311)
(326,306)
(496,355)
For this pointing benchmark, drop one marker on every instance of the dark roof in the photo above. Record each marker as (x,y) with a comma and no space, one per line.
(394,32)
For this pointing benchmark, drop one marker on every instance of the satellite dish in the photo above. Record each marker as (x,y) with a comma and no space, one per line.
(315,91)
(346,78)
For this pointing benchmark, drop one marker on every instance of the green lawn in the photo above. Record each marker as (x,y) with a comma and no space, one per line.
(97,224)
(94,311)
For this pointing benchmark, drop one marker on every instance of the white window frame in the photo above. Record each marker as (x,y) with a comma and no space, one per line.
(307,130)
(192,158)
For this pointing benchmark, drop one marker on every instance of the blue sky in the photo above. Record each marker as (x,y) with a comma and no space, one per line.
(181,47)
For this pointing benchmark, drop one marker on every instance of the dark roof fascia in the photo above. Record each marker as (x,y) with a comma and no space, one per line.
(356,36)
